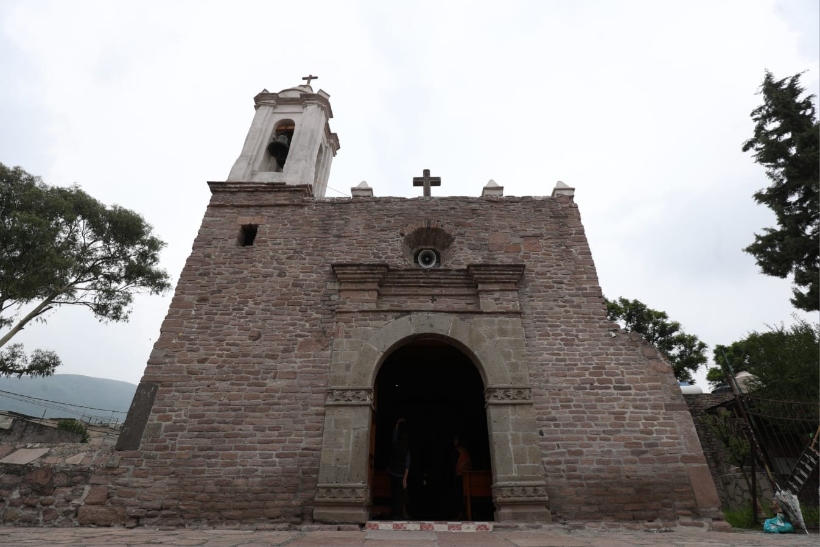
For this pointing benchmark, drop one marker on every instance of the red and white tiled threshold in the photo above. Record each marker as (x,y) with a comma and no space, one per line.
(429,526)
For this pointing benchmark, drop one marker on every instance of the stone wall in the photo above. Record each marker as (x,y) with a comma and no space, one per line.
(234,422)
(736,493)
(34,432)
(58,485)
(731,486)
(42,496)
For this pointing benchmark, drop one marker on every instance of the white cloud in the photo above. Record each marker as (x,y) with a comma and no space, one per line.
(642,106)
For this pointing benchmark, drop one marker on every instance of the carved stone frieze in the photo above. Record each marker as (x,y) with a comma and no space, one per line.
(346,493)
(508,395)
(525,492)
(361,396)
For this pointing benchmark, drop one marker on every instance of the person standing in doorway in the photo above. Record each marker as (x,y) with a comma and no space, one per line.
(463,464)
(399,468)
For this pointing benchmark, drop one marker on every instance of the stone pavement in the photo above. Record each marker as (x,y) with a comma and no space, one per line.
(547,536)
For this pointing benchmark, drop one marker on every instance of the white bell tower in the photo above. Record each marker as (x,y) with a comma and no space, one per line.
(289,140)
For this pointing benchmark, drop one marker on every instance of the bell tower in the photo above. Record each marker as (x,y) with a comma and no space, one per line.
(289,140)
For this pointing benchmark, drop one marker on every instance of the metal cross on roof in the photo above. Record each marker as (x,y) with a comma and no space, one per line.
(427,181)
(309,78)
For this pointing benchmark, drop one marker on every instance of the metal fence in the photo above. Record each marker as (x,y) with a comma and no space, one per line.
(786,437)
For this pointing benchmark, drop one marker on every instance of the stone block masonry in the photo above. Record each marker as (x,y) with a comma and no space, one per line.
(64,485)
(257,399)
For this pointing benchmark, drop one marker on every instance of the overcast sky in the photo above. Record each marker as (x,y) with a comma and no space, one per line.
(641,106)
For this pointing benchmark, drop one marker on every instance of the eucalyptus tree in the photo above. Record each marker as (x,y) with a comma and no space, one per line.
(61,247)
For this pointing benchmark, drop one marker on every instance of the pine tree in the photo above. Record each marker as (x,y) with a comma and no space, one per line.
(786,143)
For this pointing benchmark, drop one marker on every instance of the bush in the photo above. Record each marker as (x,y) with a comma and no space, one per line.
(75,426)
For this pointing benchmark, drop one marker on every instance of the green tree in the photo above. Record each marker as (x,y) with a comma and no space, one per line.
(786,143)
(735,355)
(715,376)
(61,247)
(785,360)
(683,351)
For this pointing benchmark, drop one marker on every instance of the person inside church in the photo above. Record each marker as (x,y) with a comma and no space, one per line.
(399,468)
(464,463)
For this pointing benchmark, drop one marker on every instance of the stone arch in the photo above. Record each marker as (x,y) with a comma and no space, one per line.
(484,352)
(495,345)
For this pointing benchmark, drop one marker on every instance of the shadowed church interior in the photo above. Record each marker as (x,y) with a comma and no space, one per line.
(439,392)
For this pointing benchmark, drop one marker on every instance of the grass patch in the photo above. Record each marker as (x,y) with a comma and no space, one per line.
(811,515)
(743,518)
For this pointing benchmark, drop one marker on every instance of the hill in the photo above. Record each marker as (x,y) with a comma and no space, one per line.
(94,399)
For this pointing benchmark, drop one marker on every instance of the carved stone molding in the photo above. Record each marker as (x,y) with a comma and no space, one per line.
(489,288)
(344,493)
(361,396)
(498,276)
(520,492)
(355,274)
(508,395)
(359,284)
(257,194)
(497,286)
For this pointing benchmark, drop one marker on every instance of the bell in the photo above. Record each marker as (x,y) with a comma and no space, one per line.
(278,148)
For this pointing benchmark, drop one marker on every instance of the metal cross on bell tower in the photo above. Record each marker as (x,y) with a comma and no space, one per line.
(427,181)
(310,77)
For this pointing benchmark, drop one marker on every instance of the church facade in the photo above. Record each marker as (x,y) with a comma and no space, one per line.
(303,328)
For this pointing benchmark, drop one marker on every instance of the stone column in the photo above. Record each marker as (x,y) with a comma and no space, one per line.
(342,493)
(519,489)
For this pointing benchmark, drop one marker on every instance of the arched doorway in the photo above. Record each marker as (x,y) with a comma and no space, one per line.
(346,485)
(440,393)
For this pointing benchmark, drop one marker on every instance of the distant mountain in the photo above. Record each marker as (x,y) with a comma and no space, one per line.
(99,399)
